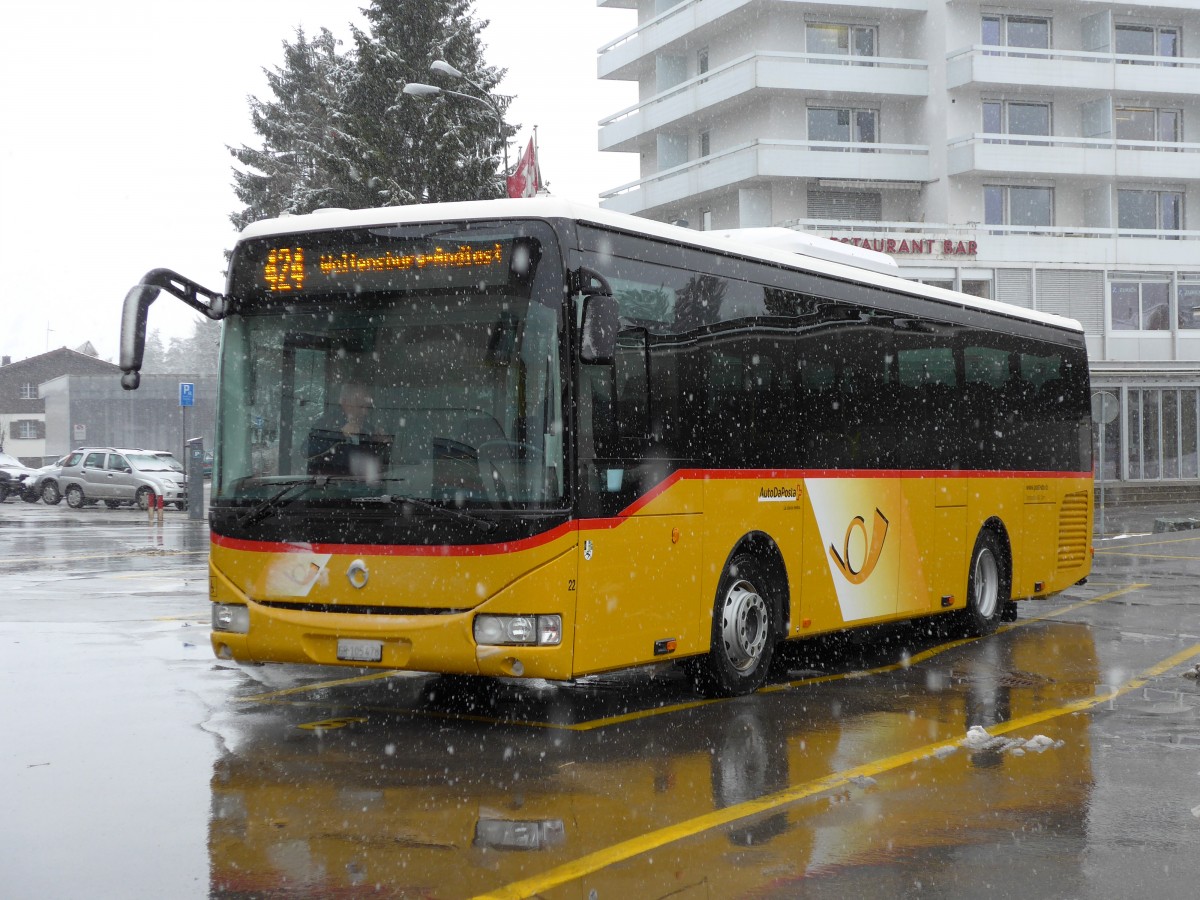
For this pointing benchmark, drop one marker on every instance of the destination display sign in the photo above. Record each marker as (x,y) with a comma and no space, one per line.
(358,262)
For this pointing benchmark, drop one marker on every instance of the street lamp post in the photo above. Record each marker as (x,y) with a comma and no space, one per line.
(417,89)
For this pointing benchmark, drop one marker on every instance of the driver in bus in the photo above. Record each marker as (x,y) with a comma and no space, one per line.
(348,442)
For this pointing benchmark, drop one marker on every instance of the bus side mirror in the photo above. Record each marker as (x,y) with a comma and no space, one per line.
(133,333)
(601,322)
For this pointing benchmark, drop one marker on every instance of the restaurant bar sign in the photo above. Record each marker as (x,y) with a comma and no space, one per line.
(914,246)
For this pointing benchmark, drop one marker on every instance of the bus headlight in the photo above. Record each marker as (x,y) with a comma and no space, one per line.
(231,617)
(543,631)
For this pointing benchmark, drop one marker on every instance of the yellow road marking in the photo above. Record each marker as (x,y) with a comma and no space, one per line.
(1148,555)
(305,688)
(331,724)
(625,850)
(1127,589)
(1134,548)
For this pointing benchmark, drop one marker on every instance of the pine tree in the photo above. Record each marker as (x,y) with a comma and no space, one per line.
(340,132)
(419,151)
(154,358)
(305,162)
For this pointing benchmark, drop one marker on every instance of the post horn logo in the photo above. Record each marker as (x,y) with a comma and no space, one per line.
(874,541)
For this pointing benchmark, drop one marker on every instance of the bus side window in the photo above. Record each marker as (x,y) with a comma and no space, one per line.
(632,368)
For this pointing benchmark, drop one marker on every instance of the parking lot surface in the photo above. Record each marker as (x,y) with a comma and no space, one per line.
(1057,758)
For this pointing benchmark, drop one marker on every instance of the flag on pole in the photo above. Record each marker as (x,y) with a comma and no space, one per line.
(526,179)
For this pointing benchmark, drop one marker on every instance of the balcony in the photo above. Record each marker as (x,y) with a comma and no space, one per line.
(993,67)
(753,75)
(623,57)
(1022,245)
(1083,157)
(1186,5)
(760,160)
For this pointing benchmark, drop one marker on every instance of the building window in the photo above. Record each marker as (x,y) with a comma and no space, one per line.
(1140,305)
(1016,31)
(1016,117)
(1018,205)
(1151,210)
(706,220)
(977,288)
(701,60)
(846,206)
(1136,123)
(705,143)
(1162,433)
(840,40)
(26,429)
(1188,299)
(1147,40)
(846,126)
(28,391)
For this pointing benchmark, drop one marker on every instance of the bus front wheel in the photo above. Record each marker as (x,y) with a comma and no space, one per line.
(987,586)
(744,631)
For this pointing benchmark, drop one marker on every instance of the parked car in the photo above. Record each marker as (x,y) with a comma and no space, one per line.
(13,477)
(43,484)
(117,476)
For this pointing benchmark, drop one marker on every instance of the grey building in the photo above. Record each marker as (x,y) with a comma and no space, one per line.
(22,406)
(94,411)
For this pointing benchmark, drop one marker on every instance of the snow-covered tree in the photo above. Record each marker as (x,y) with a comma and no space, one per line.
(340,131)
(154,358)
(305,161)
(414,150)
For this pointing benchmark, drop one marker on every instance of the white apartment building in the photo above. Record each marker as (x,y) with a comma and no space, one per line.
(1046,154)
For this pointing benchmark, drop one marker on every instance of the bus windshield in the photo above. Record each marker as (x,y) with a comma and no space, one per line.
(445,396)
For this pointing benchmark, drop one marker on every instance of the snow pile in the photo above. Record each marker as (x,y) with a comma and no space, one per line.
(978,739)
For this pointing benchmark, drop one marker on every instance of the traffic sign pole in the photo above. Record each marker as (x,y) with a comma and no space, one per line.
(1105,409)
(187,397)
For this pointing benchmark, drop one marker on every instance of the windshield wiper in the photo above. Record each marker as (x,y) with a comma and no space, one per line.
(426,506)
(294,488)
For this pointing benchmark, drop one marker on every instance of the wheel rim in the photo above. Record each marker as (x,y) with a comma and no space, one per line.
(986,583)
(744,619)
(74,497)
(49,494)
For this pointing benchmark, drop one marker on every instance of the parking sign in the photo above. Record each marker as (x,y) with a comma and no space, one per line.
(187,393)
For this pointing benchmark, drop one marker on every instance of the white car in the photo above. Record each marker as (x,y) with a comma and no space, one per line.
(14,475)
(118,476)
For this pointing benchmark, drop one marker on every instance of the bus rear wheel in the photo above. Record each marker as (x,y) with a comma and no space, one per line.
(987,586)
(744,632)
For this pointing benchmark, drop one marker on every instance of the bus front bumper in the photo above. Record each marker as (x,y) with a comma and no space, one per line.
(441,643)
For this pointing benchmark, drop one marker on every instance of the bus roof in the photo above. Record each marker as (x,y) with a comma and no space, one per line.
(813,254)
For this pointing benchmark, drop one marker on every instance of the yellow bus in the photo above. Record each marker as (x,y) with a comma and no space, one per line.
(534,439)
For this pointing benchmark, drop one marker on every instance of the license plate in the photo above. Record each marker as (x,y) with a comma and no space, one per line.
(351,650)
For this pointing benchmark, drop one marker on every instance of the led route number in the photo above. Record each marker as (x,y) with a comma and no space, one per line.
(284,269)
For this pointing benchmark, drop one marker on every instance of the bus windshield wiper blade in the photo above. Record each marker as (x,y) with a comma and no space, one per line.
(294,488)
(426,506)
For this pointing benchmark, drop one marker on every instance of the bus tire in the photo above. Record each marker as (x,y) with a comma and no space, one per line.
(744,632)
(987,586)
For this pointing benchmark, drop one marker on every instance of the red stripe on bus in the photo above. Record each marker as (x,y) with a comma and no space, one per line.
(601,524)
(397,549)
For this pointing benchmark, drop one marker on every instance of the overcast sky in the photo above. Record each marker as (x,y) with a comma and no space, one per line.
(117,116)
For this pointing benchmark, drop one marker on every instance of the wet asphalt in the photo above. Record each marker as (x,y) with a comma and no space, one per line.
(1057,758)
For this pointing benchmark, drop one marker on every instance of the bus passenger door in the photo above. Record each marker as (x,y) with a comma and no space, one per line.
(638,590)
(638,593)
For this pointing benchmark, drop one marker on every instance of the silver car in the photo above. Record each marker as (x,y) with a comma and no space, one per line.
(119,476)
